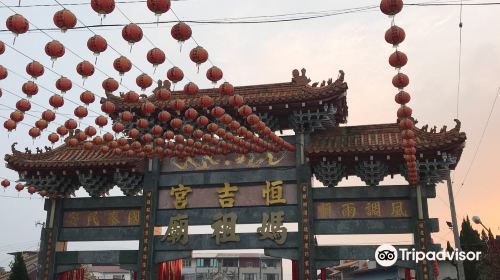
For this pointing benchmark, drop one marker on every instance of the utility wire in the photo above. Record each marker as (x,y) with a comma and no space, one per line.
(480,142)
(460,24)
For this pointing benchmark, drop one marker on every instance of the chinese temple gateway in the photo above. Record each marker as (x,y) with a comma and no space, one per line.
(226,176)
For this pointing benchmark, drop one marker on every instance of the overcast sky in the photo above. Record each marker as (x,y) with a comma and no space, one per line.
(267,53)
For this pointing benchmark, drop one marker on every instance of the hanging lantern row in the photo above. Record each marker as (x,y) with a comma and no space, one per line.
(394,36)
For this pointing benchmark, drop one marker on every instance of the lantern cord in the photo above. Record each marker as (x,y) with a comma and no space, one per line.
(70,50)
(480,142)
(147,39)
(87,27)
(460,24)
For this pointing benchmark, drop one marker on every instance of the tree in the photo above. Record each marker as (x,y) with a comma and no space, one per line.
(18,268)
(2,270)
(471,242)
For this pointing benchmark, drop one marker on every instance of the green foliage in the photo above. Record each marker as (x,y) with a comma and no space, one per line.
(18,268)
(472,241)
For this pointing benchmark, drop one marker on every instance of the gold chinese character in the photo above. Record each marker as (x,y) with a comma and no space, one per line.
(71,219)
(224,227)
(348,210)
(397,209)
(273,228)
(273,192)
(133,217)
(113,218)
(324,210)
(92,219)
(226,195)
(177,230)
(180,193)
(373,209)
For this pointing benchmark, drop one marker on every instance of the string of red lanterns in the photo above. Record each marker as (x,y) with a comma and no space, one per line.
(396,35)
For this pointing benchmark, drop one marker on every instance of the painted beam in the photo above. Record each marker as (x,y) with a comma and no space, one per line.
(230,176)
(102,202)
(100,234)
(370,226)
(207,242)
(291,254)
(164,256)
(246,215)
(355,252)
(342,193)
(97,257)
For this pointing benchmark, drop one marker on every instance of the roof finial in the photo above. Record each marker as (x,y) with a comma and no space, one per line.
(300,79)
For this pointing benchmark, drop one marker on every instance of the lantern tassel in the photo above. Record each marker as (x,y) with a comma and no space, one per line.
(95,61)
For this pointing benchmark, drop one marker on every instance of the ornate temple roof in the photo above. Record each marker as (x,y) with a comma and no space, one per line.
(278,99)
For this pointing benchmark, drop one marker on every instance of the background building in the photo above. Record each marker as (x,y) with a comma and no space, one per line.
(243,266)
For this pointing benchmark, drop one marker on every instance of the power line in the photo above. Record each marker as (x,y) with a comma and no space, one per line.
(480,141)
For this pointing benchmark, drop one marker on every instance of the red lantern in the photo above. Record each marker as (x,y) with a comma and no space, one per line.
(41,124)
(34,132)
(118,127)
(148,108)
(226,89)
(155,56)
(177,105)
(400,80)
(109,85)
(87,97)
(398,59)
(17,116)
(30,88)
(31,190)
(3,72)
(147,138)
(176,123)
(108,107)
(175,74)
(97,44)
(133,133)
(198,55)
(404,112)
(144,81)
(90,131)
(198,133)
(19,187)
(132,33)
(131,97)
(54,49)
(81,112)
(181,32)
(2,47)
(395,35)
(164,116)
(253,119)
(158,6)
(142,123)
(162,94)
(56,101)
(169,134)
(107,137)
(9,125)
(214,74)
(202,121)
(402,97)
(101,121)
(63,84)
(103,7)
(53,137)
(122,65)
(88,146)
(85,69)
(206,101)
(5,183)
(217,112)
(156,130)
(236,100)
(391,7)
(17,24)
(406,124)
(62,130)
(34,69)
(245,110)
(191,88)
(70,124)
(64,19)
(407,134)
(126,116)
(23,105)
(191,114)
